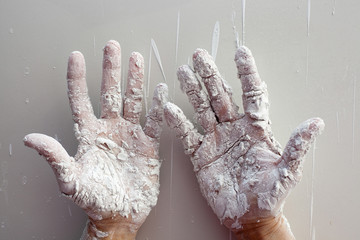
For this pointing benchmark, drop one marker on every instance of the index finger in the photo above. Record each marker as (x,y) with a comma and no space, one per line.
(255,95)
(77,90)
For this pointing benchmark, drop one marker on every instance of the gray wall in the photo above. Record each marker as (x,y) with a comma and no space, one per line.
(307,76)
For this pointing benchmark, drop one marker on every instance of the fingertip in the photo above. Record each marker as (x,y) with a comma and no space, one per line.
(27,139)
(112,45)
(244,50)
(204,63)
(136,59)
(76,65)
(186,77)
(312,127)
(245,61)
(112,55)
(319,124)
(183,70)
(30,140)
(199,52)
(161,93)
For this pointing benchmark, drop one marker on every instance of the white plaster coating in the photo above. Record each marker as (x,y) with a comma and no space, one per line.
(115,171)
(240,167)
(184,129)
(197,97)
(111,99)
(134,89)
(219,91)
(154,119)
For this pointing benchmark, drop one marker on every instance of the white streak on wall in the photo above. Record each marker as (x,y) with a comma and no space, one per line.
(236,34)
(157,55)
(177,37)
(243,22)
(10,150)
(94,44)
(308,17)
(338,126)
(147,88)
(353,122)
(215,40)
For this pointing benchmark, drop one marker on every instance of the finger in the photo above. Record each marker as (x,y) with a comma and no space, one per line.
(183,128)
(62,164)
(154,119)
(255,95)
(299,144)
(219,92)
(111,101)
(197,97)
(134,89)
(77,90)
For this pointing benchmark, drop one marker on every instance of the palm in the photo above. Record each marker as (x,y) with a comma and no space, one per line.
(116,169)
(240,167)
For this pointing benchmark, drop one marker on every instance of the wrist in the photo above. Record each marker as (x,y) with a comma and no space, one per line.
(274,228)
(115,228)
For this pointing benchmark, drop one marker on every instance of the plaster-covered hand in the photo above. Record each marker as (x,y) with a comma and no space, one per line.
(241,169)
(114,176)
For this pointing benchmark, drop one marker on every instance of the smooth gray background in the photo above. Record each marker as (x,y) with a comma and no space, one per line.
(315,75)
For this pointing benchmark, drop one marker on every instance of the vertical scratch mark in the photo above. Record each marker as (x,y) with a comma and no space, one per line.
(333,10)
(171,169)
(215,40)
(10,150)
(243,22)
(94,43)
(230,235)
(4,180)
(312,191)
(313,234)
(70,213)
(307,62)
(338,126)
(177,38)
(236,34)
(147,88)
(353,122)
(308,17)
(176,52)
(157,55)
(308,42)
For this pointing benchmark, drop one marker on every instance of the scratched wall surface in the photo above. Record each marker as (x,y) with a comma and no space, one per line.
(307,52)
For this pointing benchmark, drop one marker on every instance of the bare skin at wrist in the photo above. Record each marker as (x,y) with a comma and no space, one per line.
(115,228)
(273,228)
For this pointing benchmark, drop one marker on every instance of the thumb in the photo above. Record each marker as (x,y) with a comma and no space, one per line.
(299,144)
(62,164)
